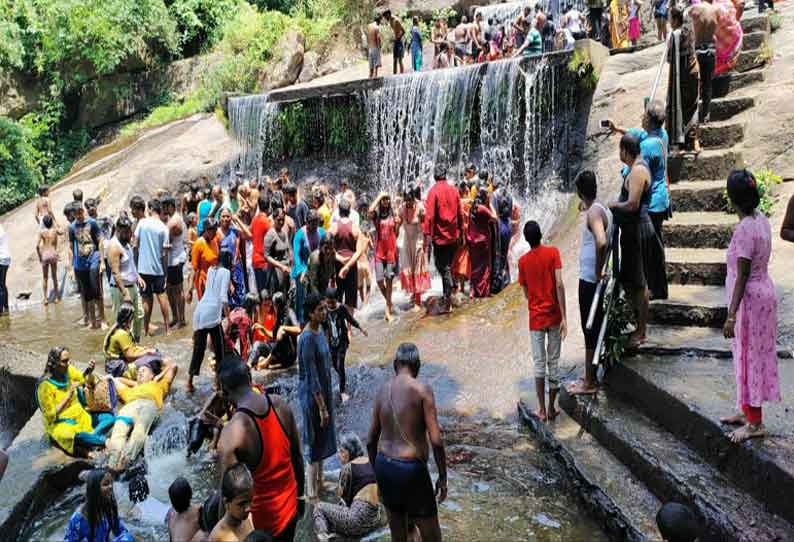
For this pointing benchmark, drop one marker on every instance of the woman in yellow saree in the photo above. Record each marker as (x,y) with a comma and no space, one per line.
(68,425)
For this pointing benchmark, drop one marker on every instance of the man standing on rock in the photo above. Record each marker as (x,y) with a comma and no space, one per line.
(84,237)
(704,23)
(540,276)
(374,45)
(444,221)
(177,256)
(124,278)
(403,420)
(152,242)
(399,43)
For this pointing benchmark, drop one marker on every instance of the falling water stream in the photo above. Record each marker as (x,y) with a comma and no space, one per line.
(507,12)
(512,118)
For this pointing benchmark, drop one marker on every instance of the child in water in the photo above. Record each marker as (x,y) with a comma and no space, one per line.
(238,492)
(182,519)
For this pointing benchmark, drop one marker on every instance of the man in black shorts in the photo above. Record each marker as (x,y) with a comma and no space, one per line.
(403,420)
(84,238)
(350,246)
(399,41)
(152,248)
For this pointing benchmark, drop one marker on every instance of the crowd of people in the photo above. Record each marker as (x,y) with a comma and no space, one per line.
(476,40)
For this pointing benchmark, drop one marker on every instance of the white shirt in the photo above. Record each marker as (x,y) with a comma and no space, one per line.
(5,252)
(209,311)
(573,23)
(354,216)
(177,255)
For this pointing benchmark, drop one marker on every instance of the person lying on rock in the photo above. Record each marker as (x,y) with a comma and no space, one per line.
(67,424)
(143,401)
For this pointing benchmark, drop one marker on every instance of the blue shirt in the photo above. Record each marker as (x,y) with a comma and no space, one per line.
(301,249)
(84,238)
(78,531)
(653,147)
(204,208)
(153,238)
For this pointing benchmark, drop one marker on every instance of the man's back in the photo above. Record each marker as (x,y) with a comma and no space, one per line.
(404,432)
(373,35)
(183,526)
(152,236)
(536,273)
(704,22)
(443,213)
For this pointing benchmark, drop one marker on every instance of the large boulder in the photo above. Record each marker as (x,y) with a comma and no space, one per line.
(286,66)
(309,70)
(19,94)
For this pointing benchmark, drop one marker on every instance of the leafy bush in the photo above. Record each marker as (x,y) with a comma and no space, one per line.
(18,173)
(200,22)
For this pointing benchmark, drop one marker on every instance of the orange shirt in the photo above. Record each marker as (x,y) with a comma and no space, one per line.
(204,256)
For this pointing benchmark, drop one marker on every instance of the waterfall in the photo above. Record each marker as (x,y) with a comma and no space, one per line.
(513,118)
(508,12)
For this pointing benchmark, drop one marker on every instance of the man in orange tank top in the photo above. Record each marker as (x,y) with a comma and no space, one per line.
(263,435)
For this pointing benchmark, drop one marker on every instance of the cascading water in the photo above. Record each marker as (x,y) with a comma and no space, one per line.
(507,12)
(251,120)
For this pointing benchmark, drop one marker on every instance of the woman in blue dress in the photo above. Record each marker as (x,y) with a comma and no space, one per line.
(416,46)
(98,519)
(234,233)
(314,392)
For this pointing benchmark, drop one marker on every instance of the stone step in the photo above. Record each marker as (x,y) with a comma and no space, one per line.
(687,395)
(704,266)
(721,135)
(726,84)
(710,165)
(674,472)
(698,196)
(671,340)
(607,489)
(754,40)
(690,305)
(699,230)
(752,22)
(750,59)
(725,108)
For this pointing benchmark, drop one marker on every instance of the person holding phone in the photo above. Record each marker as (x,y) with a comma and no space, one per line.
(67,424)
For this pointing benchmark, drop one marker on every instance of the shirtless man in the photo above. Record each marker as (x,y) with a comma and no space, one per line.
(477,37)
(253,197)
(403,419)
(399,45)
(521,27)
(350,247)
(47,249)
(190,200)
(182,519)
(43,205)
(704,24)
(238,493)
(438,35)
(461,38)
(374,44)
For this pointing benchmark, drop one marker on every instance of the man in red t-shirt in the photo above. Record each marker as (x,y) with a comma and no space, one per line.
(444,226)
(540,275)
(259,227)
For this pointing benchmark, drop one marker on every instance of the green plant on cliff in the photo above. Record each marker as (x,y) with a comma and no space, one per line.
(615,340)
(766,182)
(18,172)
(200,22)
(583,69)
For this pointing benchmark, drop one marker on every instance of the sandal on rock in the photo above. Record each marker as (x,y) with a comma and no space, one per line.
(748,432)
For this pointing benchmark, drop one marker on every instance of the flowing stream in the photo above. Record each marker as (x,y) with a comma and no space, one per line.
(507,12)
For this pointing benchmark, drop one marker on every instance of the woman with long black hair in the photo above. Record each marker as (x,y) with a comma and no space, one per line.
(97,520)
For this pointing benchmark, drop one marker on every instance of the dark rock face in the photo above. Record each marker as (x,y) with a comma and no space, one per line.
(704,273)
(285,69)
(698,235)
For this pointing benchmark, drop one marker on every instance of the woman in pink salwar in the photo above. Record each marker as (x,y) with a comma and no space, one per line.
(728,36)
(752,310)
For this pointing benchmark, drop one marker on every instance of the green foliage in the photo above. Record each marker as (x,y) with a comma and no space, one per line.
(166,113)
(200,22)
(615,341)
(582,68)
(18,173)
(766,181)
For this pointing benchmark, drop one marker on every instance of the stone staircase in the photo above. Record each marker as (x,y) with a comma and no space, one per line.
(658,430)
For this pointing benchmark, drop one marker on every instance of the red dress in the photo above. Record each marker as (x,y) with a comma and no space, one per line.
(480,248)
(461,263)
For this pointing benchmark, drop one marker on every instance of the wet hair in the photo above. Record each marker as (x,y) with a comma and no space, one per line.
(155,205)
(413,191)
(310,304)
(47,221)
(532,233)
(344,207)
(586,184)
(251,301)
(440,170)
(210,224)
(123,222)
(191,217)
(631,144)
(234,187)
(90,203)
(137,203)
(278,212)
(265,295)
(42,189)
(225,259)
(743,191)
(655,114)
(483,175)
(331,293)
(194,187)
(677,15)
(352,444)
(407,356)
(378,18)
(123,317)
(258,536)
(290,189)
(387,14)
(313,216)
(77,195)
(97,507)
(479,199)
(279,301)
(236,480)
(463,186)
(677,523)
(180,493)
(209,515)
(70,209)
(326,241)
(168,201)
(276,201)
(54,357)
(234,373)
